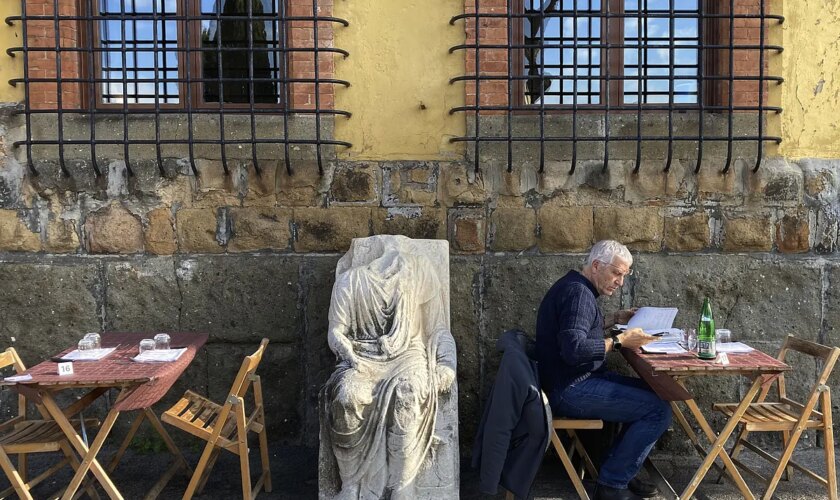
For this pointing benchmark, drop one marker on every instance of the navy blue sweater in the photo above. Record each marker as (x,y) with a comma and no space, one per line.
(570,333)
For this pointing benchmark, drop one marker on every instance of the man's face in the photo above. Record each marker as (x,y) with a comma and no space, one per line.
(609,276)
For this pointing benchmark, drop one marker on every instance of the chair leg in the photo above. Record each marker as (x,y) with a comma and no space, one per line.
(785,441)
(23,466)
(828,430)
(567,464)
(263,435)
(242,438)
(735,451)
(266,469)
(199,470)
(208,469)
(17,482)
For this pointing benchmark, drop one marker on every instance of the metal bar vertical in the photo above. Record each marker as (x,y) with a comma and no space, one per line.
(510,82)
(671,53)
(59,87)
(188,106)
(220,84)
(542,85)
(155,46)
(91,85)
(760,148)
(477,145)
(27,107)
(251,97)
(642,79)
(607,82)
(701,80)
(315,46)
(731,79)
(575,71)
(283,59)
(124,61)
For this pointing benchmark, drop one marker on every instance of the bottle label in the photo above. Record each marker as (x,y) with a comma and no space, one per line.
(706,348)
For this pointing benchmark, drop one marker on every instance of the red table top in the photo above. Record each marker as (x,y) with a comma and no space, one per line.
(146,383)
(659,370)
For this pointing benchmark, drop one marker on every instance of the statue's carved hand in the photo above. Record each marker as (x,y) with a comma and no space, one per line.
(385,346)
(445,377)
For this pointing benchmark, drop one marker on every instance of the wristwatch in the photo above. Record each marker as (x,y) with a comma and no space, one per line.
(616,342)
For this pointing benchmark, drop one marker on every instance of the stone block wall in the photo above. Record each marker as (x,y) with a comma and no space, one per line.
(245,256)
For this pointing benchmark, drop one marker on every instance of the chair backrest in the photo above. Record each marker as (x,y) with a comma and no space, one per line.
(249,366)
(828,356)
(8,358)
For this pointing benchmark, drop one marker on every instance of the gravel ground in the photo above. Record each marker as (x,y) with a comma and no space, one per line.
(294,472)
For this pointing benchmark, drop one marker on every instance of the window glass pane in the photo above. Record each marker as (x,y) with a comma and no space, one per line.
(662,52)
(247,53)
(562,59)
(138,47)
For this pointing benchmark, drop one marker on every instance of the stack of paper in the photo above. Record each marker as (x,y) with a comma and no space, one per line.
(18,378)
(88,355)
(663,348)
(159,355)
(733,347)
(654,320)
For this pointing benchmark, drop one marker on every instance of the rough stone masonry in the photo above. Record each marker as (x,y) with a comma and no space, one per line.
(245,256)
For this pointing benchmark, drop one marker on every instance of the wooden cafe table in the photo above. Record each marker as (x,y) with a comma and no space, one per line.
(666,374)
(140,386)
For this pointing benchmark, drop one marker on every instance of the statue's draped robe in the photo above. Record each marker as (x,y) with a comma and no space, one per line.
(372,306)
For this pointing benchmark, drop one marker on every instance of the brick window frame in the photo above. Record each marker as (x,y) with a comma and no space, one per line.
(73,34)
(494,61)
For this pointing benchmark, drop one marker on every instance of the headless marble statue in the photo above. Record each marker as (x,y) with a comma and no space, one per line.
(390,405)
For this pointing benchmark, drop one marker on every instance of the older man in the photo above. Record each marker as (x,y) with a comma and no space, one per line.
(571,351)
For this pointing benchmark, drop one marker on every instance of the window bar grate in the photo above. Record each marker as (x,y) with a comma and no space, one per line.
(82,86)
(676,83)
(510,87)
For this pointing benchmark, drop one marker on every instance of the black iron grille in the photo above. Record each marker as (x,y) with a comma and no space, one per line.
(226,63)
(563,61)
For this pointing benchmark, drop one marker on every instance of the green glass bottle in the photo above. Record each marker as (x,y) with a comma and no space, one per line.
(706,333)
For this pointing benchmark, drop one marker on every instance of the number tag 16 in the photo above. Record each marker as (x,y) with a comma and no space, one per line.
(65,368)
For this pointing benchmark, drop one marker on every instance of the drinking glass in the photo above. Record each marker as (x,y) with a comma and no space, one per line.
(162,341)
(96,339)
(690,339)
(85,344)
(147,345)
(723,335)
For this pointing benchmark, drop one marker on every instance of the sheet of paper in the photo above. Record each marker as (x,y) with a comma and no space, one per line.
(733,347)
(663,348)
(159,355)
(18,378)
(88,355)
(653,319)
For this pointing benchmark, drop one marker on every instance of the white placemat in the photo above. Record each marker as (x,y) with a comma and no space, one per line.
(160,355)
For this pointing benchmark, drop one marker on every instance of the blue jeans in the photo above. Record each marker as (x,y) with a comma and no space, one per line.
(615,398)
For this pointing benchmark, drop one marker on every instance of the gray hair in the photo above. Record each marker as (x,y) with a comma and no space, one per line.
(606,251)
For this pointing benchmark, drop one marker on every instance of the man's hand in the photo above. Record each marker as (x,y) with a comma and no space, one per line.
(623,317)
(634,338)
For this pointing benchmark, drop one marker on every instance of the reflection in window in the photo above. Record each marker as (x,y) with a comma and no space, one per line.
(560,58)
(565,59)
(655,52)
(138,59)
(243,44)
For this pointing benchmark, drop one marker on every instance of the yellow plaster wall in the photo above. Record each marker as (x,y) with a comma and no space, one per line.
(398,64)
(810,122)
(10,67)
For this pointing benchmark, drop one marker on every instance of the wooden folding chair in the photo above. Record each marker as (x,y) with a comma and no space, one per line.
(576,476)
(226,426)
(21,436)
(791,419)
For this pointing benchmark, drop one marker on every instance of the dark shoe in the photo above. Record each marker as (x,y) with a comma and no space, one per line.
(606,493)
(642,488)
